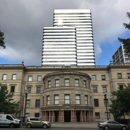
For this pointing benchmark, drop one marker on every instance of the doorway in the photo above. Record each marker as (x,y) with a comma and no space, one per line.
(78,116)
(67,116)
(56,116)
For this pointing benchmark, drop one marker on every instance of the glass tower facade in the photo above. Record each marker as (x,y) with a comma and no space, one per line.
(70,41)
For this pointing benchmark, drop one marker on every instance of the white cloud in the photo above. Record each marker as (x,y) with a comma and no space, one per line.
(22,22)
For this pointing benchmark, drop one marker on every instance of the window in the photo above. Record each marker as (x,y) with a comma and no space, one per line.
(29,89)
(76,82)
(86,99)
(57,82)
(93,77)
(105,102)
(67,99)
(49,84)
(37,103)
(121,87)
(9,118)
(119,75)
(28,103)
(36,115)
(103,77)
(30,78)
(96,104)
(84,83)
(48,100)
(95,89)
(12,90)
(104,89)
(67,82)
(38,90)
(4,77)
(39,78)
(97,115)
(14,77)
(128,75)
(56,98)
(27,115)
(108,115)
(77,98)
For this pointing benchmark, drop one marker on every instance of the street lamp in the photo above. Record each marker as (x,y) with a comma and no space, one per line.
(26,94)
(106,103)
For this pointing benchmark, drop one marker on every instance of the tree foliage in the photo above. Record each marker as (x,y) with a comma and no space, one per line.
(126,41)
(121,104)
(5,105)
(2,43)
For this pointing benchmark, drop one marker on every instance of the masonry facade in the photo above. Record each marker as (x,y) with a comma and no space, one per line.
(64,93)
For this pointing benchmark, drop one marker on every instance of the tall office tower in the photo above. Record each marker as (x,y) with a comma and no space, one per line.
(120,56)
(80,50)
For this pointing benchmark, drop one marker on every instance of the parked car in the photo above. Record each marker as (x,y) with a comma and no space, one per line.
(37,122)
(9,120)
(112,125)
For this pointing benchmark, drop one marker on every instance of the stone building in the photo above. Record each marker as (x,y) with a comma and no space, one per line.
(64,93)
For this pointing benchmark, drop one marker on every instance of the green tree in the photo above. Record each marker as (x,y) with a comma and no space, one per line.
(121,104)
(5,105)
(2,43)
(126,41)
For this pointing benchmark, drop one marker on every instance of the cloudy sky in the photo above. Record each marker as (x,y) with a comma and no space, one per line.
(22,22)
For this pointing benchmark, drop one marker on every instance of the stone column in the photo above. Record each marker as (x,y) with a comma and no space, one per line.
(53,117)
(61,116)
(50,116)
(81,116)
(73,118)
(84,116)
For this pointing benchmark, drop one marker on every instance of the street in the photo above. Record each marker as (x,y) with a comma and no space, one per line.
(24,128)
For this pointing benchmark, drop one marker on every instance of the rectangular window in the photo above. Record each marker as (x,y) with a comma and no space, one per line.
(93,77)
(119,75)
(14,77)
(107,114)
(28,103)
(128,75)
(95,90)
(38,90)
(29,89)
(48,100)
(86,99)
(4,77)
(39,78)
(106,103)
(27,114)
(84,83)
(77,98)
(104,89)
(67,82)
(97,115)
(29,78)
(12,90)
(96,103)
(121,87)
(103,77)
(36,115)
(56,98)
(76,82)
(67,99)
(37,103)
(57,82)
(49,84)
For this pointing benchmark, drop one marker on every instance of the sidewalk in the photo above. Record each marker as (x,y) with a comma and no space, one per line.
(89,125)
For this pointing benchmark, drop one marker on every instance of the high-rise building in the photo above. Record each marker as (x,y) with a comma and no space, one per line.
(70,40)
(120,56)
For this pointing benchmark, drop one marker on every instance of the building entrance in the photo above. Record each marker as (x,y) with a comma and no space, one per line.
(56,116)
(78,116)
(67,116)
